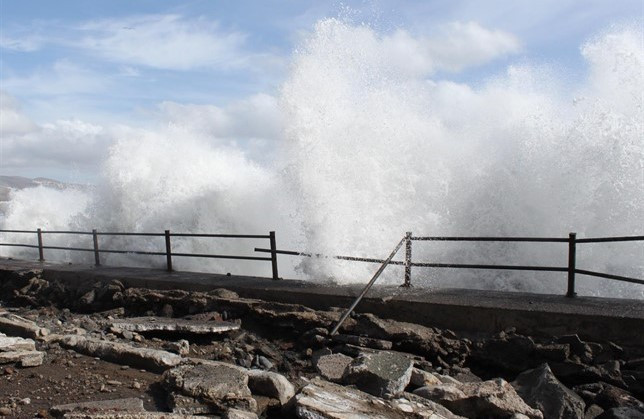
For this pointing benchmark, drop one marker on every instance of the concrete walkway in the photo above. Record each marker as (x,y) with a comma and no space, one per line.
(620,320)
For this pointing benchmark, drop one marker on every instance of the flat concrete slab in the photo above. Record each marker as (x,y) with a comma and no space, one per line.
(620,320)
(163,324)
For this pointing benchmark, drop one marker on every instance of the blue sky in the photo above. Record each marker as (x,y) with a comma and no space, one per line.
(75,74)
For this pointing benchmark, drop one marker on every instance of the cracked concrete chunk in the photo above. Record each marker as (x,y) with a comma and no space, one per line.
(214,383)
(383,374)
(161,324)
(120,353)
(324,400)
(101,406)
(332,367)
(270,384)
(492,398)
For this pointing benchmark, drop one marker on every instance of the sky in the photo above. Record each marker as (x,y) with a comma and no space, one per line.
(75,76)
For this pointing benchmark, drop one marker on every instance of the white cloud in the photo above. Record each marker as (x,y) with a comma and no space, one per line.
(63,143)
(63,78)
(164,41)
(22,44)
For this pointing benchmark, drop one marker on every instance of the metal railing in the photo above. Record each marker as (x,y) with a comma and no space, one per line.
(571,269)
(168,253)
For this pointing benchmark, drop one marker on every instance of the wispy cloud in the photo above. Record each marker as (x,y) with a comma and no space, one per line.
(165,42)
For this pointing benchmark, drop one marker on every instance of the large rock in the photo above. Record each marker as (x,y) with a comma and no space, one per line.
(541,389)
(332,367)
(324,400)
(218,384)
(493,398)
(161,324)
(270,384)
(383,374)
(120,353)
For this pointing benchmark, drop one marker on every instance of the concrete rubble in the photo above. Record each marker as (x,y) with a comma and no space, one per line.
(162,324)
(122,353)
(179,354)
(19,350)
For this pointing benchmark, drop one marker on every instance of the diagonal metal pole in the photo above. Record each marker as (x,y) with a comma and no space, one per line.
(368,286)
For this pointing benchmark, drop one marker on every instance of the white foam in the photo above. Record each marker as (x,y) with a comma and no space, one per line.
(370,151)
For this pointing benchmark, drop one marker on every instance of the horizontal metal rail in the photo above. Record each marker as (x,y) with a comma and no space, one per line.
(492,239)
(229,236)
(100,233)
(80,233)
(610,276)
(19,245)
(611,239)
(500,267)
(19,231)
(198,255)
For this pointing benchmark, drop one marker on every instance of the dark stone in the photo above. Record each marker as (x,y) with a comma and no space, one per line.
(541,390)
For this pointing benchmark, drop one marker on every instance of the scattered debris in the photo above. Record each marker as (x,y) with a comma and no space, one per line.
(248,358)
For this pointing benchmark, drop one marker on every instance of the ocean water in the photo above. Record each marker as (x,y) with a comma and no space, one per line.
(371,149)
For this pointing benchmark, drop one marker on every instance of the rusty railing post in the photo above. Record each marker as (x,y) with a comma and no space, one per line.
(41,256)
(168,251)
(407,282)
(97,259)
(273,255)
(572,256)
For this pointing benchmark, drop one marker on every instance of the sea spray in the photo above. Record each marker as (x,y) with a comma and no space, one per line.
(373,148)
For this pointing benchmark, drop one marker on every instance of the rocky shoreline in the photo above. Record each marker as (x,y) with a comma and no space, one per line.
(214,354)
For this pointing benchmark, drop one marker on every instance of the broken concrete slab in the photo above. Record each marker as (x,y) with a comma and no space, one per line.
(14,325)
(324,400)
(162,324)
(216,383)
(332,367)
(382,374)
(150,359)
(270,384)
(23,358)
(10,343)
(492,398)
(117,405)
